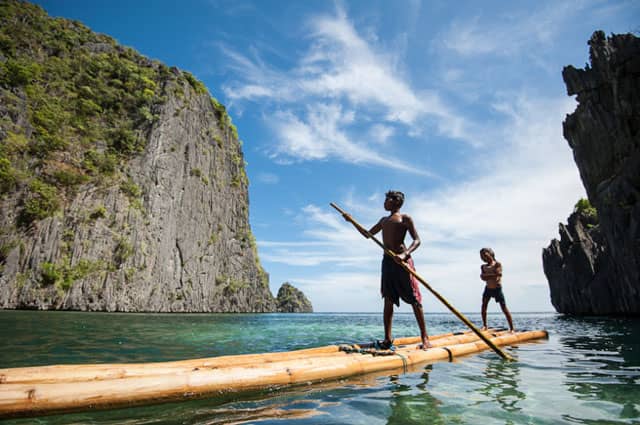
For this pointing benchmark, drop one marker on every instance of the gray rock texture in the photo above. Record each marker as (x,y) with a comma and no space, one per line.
(597,270)
(184,245)
(164,227)
(292,300)
(578,268)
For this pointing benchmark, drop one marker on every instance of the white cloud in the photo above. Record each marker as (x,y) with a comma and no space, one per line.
(329,240)
(260,80)
(250,91)
(268,178)
(342,292)
(347,66)
(279,244)
(522,188)
(380,133)
(509,34)
(529,186)
(339,73)
(359,104)
(321,135)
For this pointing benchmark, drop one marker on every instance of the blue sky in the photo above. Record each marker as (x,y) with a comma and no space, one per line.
(457,104)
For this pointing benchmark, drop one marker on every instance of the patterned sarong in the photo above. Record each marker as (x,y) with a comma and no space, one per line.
(397,283)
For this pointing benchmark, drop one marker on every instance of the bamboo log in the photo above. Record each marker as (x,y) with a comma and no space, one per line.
(51,396)
(83,372)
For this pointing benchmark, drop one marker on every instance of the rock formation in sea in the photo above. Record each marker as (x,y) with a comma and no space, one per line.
(595,267)
(122,181)
(292,300)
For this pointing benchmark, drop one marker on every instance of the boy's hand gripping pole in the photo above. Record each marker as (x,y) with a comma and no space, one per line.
(424,282)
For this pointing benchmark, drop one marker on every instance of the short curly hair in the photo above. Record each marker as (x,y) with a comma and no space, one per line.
(488,251)
(396,196)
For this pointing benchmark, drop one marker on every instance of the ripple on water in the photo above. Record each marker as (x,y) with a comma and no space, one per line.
(588,371)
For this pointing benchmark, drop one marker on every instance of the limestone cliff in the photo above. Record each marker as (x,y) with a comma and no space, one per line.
(122,182)
(597,270)
(292,300)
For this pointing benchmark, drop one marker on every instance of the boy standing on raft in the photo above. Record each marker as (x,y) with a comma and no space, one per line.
(491,272)
(396,282)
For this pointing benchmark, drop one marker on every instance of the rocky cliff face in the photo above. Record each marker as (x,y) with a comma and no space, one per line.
(597,270)
(292,300)
(122,182)
(578,268)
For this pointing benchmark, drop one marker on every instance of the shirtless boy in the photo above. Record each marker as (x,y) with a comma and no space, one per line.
(396,282)
(491,273)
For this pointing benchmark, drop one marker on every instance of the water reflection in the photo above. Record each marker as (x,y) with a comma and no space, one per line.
(411,402)
(500,383)
(587,372)
(604,364)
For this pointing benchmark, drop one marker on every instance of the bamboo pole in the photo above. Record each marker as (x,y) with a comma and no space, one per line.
(424,282)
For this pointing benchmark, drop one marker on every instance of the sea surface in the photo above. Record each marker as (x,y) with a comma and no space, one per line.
(587,372)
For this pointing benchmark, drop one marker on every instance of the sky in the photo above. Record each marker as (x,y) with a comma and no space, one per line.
(457,104)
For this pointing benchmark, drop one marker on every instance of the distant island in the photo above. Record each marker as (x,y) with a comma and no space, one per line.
(122,181)
(594,269)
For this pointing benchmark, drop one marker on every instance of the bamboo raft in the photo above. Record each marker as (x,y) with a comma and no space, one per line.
(43,390)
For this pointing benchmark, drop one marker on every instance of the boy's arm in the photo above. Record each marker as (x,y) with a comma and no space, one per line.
(498,271)
(486,275)
(488,272)
(375,229)
(415,243)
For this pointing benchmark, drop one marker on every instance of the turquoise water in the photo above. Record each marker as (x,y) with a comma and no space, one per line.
(587,372)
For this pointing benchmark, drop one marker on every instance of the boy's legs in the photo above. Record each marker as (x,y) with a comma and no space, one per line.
(507,314)
(419,313)
(388,319)
(483,310)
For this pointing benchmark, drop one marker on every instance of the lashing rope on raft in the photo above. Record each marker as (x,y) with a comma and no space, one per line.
(404,362)
(355,348)
(448,352)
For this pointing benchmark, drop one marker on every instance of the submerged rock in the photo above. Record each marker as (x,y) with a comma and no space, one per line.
(596,270)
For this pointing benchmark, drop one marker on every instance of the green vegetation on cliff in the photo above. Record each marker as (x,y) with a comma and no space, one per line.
(78,113)
(292,300)
(584,207)
(74,106)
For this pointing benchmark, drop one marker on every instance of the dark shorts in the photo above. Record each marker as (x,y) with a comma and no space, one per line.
(397,283)
(495,293)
